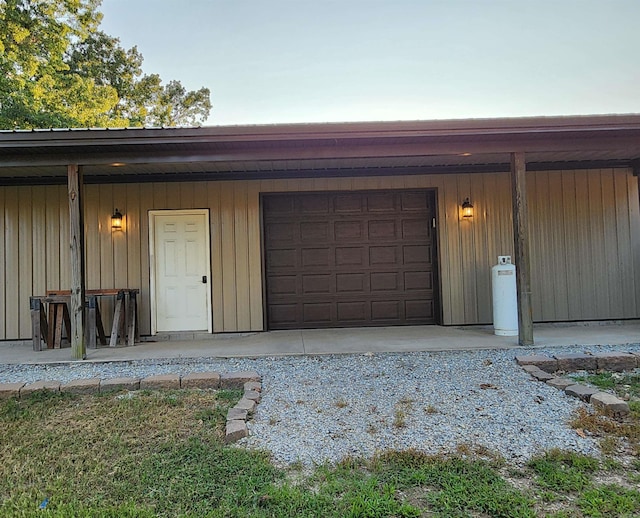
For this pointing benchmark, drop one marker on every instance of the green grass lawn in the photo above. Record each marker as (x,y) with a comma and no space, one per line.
(160,453)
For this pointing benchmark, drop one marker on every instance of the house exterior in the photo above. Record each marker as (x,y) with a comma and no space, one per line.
(255,228)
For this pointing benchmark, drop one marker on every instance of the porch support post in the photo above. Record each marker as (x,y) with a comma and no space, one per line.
(76,242)
(521,242)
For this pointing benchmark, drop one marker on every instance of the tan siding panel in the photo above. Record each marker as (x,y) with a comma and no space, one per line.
(106,243)
(255,258)
(625,265)
(216,257)
(241,245)
(186,195)
(597,251)
(25,251)
(614,284)
(39,250)
(133,236)
(92,238)
(634,219)
(65,249)
(12,264)
(119,238)
(480,242)
(228,257)
(3,266)
(557,246)
(584,246)
(571,244)
(53,238)
(146,203)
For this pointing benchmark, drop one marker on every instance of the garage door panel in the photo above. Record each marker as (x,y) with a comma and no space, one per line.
(385,281)
(314,284)
(414,201)
(350,256)
(415,228)
(348,230)
(283,315)
(283,285)
(419,309)
(383,229)
(315,257)
(370,261)
(348,203)
(286,258)
(315,204)
(352,311)
(417,254)
(314,231)
(279,204)
(283,232)
(381,202)
(383,255)
(418,281)
(318,313)
(386,310)
(350,282)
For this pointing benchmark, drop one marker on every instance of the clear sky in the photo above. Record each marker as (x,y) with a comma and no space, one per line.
(274,61)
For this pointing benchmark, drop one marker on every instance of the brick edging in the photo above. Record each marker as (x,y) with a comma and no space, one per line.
(236,427)
(545,369)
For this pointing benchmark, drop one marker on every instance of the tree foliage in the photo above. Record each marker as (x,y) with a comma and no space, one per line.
(57,69)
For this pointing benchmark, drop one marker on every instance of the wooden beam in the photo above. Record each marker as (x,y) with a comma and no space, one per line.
(76,242)
(521,242)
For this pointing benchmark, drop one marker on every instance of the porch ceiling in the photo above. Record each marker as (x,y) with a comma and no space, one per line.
(347,149)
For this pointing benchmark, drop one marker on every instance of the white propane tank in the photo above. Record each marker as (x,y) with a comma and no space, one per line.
(505,298)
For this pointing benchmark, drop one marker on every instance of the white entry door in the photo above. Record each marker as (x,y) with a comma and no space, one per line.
(180,270)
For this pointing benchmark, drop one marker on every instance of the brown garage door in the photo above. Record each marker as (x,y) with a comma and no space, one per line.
(349,259)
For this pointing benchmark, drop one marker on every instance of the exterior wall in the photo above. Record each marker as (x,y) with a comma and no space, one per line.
(585,243)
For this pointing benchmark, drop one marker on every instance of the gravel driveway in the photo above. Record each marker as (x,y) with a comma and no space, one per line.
(323,408)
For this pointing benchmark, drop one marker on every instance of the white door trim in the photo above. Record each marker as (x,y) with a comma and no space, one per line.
(152,264)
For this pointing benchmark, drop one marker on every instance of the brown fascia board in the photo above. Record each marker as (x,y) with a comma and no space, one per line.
(330,140)
(595,124)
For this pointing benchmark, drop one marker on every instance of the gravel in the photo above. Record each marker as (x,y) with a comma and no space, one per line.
(318,409)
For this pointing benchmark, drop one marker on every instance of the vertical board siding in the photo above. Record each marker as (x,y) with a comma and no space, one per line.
(13,311)
(25,254)
(213,194)
(3,255)
(585,242)
(227,224)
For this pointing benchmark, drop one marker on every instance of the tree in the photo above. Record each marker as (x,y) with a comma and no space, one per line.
(57,69)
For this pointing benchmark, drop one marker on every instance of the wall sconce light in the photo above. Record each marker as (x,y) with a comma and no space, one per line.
(467,209)
(116,220)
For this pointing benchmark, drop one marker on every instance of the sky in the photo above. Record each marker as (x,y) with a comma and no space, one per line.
(282,61)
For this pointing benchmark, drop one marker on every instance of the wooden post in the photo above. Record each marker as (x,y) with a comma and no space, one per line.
(521,242)
(36,323)
(76,242)
(91,324)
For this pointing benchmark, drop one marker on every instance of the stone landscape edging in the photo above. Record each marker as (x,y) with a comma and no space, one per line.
(545,369)
(236,426)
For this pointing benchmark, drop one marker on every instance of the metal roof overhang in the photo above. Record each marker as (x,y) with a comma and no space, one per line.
(316,150)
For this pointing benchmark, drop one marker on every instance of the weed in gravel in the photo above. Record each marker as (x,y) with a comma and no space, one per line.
(402,408)
(341,403)
(399,418)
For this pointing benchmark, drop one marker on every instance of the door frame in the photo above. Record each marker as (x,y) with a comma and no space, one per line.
(152,262)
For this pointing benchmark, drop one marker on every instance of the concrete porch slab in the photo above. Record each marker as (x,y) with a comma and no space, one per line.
(338,341)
